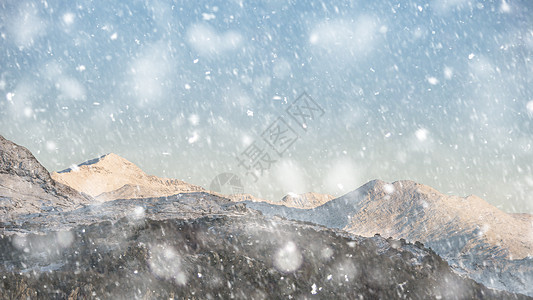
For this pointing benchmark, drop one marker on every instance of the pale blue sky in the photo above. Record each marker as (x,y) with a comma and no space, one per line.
(439,93)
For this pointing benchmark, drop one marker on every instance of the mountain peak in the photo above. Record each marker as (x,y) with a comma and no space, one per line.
(305,200)
(113,157)
(111,176)
(108,161)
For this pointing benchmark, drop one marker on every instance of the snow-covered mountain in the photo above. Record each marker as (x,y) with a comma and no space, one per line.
(200,246)
(26,186)
(112,177)
(478,238)
(194,245)
(305,200)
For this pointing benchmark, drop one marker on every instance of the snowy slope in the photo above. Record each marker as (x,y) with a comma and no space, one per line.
(305,200)
(466,231)
(112,177)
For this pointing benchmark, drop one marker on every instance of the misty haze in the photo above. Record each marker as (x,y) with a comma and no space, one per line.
(266,149)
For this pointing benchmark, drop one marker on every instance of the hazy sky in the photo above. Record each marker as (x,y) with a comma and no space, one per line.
(439,93)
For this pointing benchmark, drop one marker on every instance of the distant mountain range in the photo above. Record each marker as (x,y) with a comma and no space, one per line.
(112,177)
(477,239)
(416,212)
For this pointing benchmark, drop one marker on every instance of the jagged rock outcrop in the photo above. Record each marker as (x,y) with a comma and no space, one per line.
(27,187)
(112,177)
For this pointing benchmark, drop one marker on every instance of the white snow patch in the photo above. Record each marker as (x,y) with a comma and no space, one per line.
(422,134)
(208,16)
(64,238)
(68,18)
(194,119)
(448,73)
(424,204)
(51,146)
(74,168)
(326,253)
(9,97)
(138,212)
(529,107)
(313,289)
(288,259)
(388,188)
(505,7)
(433,80)
(246,140)
(194,138)
(165,262)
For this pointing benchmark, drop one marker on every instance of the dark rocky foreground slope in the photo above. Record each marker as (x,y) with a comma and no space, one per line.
(200,246)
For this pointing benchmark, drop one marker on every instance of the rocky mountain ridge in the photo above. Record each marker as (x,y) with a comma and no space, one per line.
(112,177)
(197,245)
(200,245)
(477,238)
(45,243)
(27,187)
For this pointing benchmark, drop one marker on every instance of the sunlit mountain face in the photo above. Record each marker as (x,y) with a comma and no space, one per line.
(291,96)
